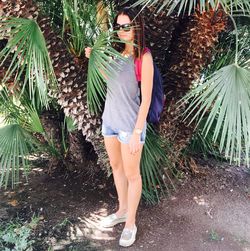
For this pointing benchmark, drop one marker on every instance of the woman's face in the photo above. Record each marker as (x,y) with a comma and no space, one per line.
(126,34)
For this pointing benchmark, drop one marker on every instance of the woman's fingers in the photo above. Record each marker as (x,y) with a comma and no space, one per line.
(88,51)
(131,148)
(134,148)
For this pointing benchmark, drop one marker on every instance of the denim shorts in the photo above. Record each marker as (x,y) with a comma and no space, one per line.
(122,136)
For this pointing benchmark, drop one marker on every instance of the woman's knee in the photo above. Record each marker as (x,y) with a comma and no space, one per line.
(116,164)
(132,177)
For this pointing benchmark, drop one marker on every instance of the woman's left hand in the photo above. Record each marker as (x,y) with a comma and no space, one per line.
(134,143)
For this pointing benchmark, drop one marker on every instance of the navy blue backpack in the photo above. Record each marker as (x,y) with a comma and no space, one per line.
(158,98)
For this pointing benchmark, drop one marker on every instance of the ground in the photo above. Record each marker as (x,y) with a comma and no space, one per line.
(209,211)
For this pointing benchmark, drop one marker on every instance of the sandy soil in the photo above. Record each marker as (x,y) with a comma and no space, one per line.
(208,212)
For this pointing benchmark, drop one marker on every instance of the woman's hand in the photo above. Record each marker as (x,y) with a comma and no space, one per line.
(134,143)
(88,52)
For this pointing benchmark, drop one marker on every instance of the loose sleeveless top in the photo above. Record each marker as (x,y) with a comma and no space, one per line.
(122,100)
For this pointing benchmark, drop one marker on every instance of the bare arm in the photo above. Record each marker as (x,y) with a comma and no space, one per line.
(87,54)
(146,89)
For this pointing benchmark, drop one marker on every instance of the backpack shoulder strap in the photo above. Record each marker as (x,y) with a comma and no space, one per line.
(138,64)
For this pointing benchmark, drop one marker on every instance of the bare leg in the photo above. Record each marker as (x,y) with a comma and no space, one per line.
(131,165)
(113,147)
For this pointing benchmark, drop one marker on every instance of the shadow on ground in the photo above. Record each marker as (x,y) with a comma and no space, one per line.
(209,211)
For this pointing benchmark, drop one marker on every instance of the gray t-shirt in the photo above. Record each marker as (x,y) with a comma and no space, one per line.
(122,100)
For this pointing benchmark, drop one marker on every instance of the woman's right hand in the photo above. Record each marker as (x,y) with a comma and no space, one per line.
(88,52)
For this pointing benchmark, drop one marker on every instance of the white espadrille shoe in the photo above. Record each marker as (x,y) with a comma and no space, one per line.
(112,219)
(128,236)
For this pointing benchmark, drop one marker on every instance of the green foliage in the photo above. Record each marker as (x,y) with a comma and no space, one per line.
(70,125)
(214,236)
(17,139)
(155,167)
(53,9)
(30,60)
(84,28)
(187,6)
(15,236)
(224,55)
(20,107)
(203,145)
(226,96)
(81,22)
(100,68)
(15,145)
(225,50)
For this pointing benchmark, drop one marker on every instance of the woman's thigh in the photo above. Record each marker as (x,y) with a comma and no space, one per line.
(131,162)
(113,148)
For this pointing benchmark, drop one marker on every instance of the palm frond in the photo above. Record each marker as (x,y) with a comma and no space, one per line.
(226,96)
(53,9)
(30,61)
(15,144)
(10,107)
(226,49)
(33,123)
(83,22)
(19,111)
(100,67)
(188,6)
(155,166)
(69,123)
(225,52)
(204,145)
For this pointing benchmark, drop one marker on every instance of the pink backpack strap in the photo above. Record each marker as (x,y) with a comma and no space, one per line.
(138,64)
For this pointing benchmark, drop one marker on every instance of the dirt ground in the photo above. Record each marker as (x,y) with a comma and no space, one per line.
(209,211)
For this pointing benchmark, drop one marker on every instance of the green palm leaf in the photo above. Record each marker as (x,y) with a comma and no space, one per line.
(80,17)
(155,166)
(23,122)
(225,55)
(15,144)
(100,68)
(83,24)
(204,145)
(20,112)
(30,62)
(226,96)
(187,6)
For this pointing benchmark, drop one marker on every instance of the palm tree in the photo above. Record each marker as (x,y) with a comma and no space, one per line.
(193,48)
(70,75)
(64,72)
(182,46)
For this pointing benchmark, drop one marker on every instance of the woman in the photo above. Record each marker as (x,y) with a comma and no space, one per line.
(124,120)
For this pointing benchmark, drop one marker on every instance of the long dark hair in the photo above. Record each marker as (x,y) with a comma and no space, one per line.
(138,23)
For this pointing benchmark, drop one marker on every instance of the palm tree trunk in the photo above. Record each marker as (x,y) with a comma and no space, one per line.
(71,78)
(191,50)
(181,48)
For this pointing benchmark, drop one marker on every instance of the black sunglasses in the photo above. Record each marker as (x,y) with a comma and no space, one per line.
(124,27)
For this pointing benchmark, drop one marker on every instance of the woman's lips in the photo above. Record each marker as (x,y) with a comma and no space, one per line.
(123,35)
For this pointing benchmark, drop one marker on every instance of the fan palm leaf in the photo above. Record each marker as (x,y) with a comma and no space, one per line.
(15,145)
(187,6)
(225,55)
(79,16)
(203,145)
(226,95)
(23,120)
(155,166)
(83,22)
(30,59)
(20,112)
(100,68)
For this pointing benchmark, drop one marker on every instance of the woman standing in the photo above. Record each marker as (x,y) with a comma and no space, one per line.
(124,120)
